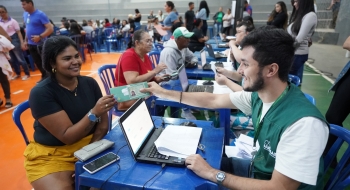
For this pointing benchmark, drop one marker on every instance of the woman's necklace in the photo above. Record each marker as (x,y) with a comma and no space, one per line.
(73,91)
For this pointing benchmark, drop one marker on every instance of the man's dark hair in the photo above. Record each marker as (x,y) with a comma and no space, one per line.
(84,23)
(53,46)
(271,45)
(28,1)
(170,4)
(190,3)
(248,26)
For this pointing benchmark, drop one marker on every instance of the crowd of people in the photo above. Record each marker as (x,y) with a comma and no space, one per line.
(290,155)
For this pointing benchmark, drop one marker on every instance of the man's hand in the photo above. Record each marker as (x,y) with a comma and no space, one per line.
(160,67)
(221,79)
(232,43)
(24,46)
(222,71)
(154,89)
(36,38)
(200,167)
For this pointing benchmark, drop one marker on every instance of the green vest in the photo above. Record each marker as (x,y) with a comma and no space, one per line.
(289,109)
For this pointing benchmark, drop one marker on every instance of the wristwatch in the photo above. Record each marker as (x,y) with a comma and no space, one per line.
(93,117)
(220,177)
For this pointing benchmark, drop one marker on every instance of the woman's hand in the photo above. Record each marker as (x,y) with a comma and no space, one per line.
(103,105)
(160,67)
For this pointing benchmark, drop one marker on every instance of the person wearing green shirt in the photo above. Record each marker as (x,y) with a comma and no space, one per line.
(290,130)
(218,20)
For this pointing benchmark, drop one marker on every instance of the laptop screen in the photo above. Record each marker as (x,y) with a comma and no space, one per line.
(203,57)
(137,125)
(183,78)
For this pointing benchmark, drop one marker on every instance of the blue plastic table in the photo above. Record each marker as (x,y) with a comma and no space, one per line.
(224,114)
(216,48)
(128,174)
(198,72)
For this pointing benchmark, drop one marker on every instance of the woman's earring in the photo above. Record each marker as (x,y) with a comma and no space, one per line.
(53,70)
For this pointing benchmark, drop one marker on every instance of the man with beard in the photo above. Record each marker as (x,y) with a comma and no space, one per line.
(291,139)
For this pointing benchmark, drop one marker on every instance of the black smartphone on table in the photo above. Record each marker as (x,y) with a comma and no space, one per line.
(101,162)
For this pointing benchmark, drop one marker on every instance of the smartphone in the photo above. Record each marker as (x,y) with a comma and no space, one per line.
(101,162)
(174,74)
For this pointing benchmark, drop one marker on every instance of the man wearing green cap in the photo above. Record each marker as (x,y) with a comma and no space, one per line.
(176,52)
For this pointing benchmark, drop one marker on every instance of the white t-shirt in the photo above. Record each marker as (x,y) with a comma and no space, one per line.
(301,144)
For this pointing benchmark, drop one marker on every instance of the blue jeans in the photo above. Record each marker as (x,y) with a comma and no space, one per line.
(137,25)
(218,28)
(298,66)
(17,57)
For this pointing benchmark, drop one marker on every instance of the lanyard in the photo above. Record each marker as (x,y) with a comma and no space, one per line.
(259,116)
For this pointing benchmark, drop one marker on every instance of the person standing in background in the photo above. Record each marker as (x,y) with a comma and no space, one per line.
(218,20)
(301,29)
(12,28)
(279,16)
(249,8)
(227,23)
(5,84)
(137,19)
(189,17)
(160,17)
(203,13)
(170,20)
(38,28)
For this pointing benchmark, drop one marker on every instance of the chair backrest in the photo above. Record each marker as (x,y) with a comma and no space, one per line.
(294,79)
(154,57)
(106,74)
(310,98)
(340,176)
(16,116)
(110,34)
(159,47)
(79,39)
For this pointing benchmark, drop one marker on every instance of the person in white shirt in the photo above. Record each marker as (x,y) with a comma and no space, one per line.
(290,157)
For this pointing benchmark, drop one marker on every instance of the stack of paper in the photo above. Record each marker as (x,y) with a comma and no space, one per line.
(243,148)
(178,141)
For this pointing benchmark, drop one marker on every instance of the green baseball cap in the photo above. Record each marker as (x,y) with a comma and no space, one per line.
(182,31)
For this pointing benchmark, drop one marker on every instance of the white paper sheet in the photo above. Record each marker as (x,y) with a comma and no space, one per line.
(232,151)
(178,141)
(227,65)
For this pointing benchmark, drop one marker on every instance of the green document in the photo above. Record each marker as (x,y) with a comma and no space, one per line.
(129,92)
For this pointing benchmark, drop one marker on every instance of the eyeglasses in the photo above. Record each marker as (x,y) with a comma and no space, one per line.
(148,41)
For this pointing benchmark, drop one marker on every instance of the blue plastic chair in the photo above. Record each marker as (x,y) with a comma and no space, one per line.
(154,57)
(110,38)
(158,47)
(294,79)
(310,98)
(106,74)
(16,116)
(340,178)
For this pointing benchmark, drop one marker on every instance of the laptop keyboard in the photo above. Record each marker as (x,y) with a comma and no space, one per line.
(153,153)
(200,88)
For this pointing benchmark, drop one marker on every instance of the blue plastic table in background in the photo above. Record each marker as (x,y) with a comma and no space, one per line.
(198,72)
(128,174)
(216,48)
(224,114)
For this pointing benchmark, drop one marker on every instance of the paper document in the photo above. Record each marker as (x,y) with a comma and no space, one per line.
(159,29)
(232,151)
(227,65)
(244,144)
(178,141)
(213,67)
(230,37)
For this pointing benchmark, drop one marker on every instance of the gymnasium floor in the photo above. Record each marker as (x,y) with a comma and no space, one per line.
(12,176)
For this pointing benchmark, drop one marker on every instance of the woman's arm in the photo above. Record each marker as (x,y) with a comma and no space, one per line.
(3,33)
(101,128)
(201,13)
(132,77)
(309,21)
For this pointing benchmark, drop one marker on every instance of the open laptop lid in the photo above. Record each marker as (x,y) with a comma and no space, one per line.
(203,56)
(210,50)
(183,78)
(137,126)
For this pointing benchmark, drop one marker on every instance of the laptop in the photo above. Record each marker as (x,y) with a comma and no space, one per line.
(207,66)
(211,53)
(192,88)
(224,45)
(140,133)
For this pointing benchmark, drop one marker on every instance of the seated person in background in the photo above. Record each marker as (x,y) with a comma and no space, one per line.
(107,24)
(82,119)
(175,52)
(243,29)
(290,157)
(197,41)
(156,36)
(75,30)
(87,28)
(135,65)
(65,31)
(63,20)
(150,17)
(124,29)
